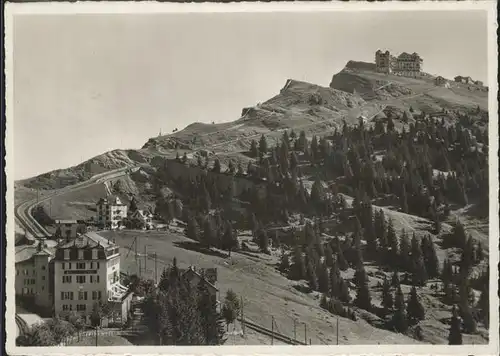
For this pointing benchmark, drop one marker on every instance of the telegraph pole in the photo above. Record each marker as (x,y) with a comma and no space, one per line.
(156,270)
(242,317)
(305,333)
(295,329)
(272,330)
(337,330)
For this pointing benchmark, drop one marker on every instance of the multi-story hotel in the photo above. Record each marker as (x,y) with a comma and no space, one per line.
(408,65)
(34,272)
(86,271)
(69,228)
(110,212)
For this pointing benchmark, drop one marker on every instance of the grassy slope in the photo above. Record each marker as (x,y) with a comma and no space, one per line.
(264,290)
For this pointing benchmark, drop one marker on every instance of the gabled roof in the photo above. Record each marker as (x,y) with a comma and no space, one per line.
(111,200)
(26,252)
(193,272)
(90,239)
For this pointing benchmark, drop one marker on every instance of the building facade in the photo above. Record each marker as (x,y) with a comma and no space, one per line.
(34,276)
(408,65)
(145,216)
(110,212)
(68,229)
(86,271)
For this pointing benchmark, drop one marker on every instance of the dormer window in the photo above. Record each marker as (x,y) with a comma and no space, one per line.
(94,253)
(80,254)
(66,254)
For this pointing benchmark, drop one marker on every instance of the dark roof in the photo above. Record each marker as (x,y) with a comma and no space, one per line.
(26,252)
(90,239)
(191,270)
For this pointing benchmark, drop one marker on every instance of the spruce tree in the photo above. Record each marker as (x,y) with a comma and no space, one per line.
(284,265)
(415,309)
(399,318)
(254,150)
(387,300)
(297,269)
(363,298)
(263,145)
(419,273)
(455,335)
(404,252)
(192,229)
(323,283)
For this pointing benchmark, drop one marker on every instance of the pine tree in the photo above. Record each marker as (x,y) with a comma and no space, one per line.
(231,307)
(209,235)
(343,294)
(263,145)
(459,236)
(133,205)
(395,279)
(399,318)
(329,255)
(263,240)
(192,229)
(430,257)
(284,265)
(229,239)
(387,300)
(254,150)
(455,335)
(312,278)
(404,252)
(419,273)
(323,283)
(404,200)
(363,298)
(415,309)
(297,269)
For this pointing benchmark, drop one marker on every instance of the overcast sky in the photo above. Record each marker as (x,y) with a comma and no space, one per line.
(86,84)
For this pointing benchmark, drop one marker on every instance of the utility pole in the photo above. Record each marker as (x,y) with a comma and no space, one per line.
(242,317)
(139,267)
(305,333)
(295,329)
(145,256)
(156,270)
(337,330)
(96,335)
(272,330)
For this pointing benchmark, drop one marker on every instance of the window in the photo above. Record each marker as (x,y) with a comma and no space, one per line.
(43,268)
(80,254)
(66,279)
(80,265)
(82,295)
(80,279)
(69,265)
(66,254)
(100,295)
(81,307)
(63,266)
(17,272)
(65,307)
(94,295)
(43,278)
(97,265)
(94,254)
(66,295)
(97,279)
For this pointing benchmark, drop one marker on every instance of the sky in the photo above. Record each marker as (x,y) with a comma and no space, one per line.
(86,84)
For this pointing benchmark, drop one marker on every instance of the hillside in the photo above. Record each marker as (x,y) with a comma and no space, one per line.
(312,170)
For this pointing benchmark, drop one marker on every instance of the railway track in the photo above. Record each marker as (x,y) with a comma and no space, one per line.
(21,325)
(270,333)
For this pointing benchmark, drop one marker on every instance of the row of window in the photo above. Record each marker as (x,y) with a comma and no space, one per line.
(81,279)
(95,254)
(80,265)
(79,307)
(82,295)
(26,272)
(27,282)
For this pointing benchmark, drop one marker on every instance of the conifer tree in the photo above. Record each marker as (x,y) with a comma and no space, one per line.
(284,265)
(419,273)
(312,278)
(387,300)
(458,235)
(229,238)
(415,309)
(404,252)
(263,145)
(297,269)
(363,298)
(399,318)
(395,279)
(342,262)
(192,229)
(455,335)
(323,283)
(484,305)
(209,234)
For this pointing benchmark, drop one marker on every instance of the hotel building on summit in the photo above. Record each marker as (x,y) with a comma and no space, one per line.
(408,65)
(87,271)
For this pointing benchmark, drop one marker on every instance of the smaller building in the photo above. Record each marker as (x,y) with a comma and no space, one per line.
(145,217)
(464,80)
(440,81)
(110,213)
(69,229)
(207,275)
